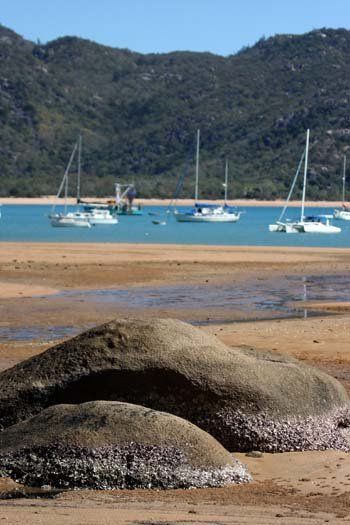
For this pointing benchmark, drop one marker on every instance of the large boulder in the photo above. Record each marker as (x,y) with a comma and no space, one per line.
(246,399)
(107,444)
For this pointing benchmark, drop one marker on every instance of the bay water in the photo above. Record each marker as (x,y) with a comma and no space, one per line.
(30,223)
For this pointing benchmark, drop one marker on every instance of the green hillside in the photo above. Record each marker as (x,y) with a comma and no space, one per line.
(138,115)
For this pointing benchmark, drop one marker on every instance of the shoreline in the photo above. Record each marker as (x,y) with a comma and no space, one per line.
(50,200)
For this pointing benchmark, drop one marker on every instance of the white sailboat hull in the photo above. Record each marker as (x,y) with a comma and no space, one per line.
(282,227)
(199,217)
(342,215)
(317,227)
(304,227)
(96,222)
(69,221)
(96,217)
(82,219)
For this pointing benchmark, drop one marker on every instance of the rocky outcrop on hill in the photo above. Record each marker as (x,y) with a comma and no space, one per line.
(245,399)
(106,444)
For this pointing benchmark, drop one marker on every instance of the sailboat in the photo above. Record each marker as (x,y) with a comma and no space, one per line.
(306,224)
(78,218)
(208,212)
(344,213)
(66,219)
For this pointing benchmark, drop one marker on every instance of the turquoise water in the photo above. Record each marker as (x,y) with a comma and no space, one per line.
(30,223)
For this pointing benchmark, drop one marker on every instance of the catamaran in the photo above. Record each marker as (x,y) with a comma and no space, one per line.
(208,212)
(344,213)
(306,224)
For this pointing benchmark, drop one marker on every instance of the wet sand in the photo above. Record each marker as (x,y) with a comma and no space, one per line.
(308,487)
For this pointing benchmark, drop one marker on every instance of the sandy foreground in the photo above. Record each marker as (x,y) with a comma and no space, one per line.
(305,487)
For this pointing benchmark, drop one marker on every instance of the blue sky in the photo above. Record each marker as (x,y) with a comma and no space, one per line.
(159,26)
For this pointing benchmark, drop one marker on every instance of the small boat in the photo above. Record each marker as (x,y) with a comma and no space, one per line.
(124,197)
(208,212)
(306,224)
(121,205)
(66,219)
(344,213)
(97,216)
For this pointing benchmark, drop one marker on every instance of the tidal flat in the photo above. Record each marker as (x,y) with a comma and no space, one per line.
(50,292)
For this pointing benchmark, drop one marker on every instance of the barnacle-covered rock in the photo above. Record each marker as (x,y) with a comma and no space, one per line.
(245,398)
(106,444)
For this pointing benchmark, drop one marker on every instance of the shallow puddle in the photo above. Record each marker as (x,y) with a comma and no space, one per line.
(256,299)
(32,333)
(272,295)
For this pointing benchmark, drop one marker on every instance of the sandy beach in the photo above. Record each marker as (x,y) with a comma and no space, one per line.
(50,199)
(38,282)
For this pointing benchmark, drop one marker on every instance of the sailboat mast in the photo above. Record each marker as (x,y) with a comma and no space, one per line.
(344,171)
(79,169)
(305,174)
(292,187)
(197,167)
(65,193)
(226,181)
(64,183)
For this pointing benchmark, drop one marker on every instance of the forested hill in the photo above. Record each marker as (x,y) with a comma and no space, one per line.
(138,115)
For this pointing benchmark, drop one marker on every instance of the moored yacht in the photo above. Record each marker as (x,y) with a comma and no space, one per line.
(208,212)
(306,224)
(344,213)
(75,219)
